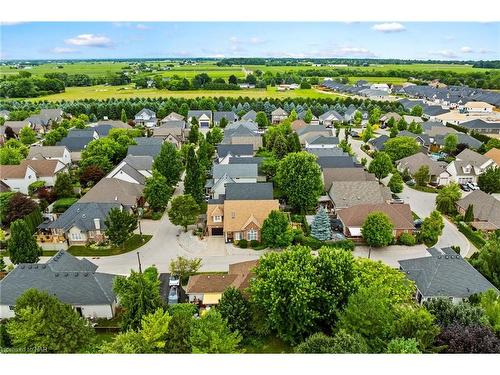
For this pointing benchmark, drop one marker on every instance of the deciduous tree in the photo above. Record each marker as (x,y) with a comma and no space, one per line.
(276,231)
(168,162)
(422,176)
(489,180)
(401,147)
(396,183)
(210,334)
(120,226)
(447,197)
(183,211)
(157,191)
(235,309)
(431,229)
(377,229)
(63,187)
(381,165)
(488,260)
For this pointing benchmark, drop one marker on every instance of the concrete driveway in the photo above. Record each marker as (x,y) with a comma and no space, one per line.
(391,254)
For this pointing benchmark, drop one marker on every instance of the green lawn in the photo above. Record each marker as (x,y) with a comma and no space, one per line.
(133,243)
(128,91)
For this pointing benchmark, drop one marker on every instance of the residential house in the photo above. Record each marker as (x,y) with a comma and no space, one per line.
(241,150)
(486,210)
(320,152)
(4,114)
(344,174)
(243,133)
(431,112)
(337,161)
(60,153)
(378,143)
(145,146)
(453,118)
(134,169)
(329,118)
(16,126)
(73,281)
(146,117)
(439,141)
(171,131)
(244,160)
(115,124)
(482,126)
(206,289)
(437,170)
(384,119)
(354,217)
(314,119)
(477,107)
(467,166)
(102,130)
(380,86)
(114,190)
(312,132)
(374,94)
(349,113)
(249,116)
(444,274)
(20,177)
(204,118)
(322,141)
(230,117)
(409,119)
(345,194)
(172,117)
(493,154)
(223,174)
(298,124)
(80,224)
(278,115)
(241,213)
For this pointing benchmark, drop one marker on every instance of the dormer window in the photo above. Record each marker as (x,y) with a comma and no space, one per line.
(217,219)
(467,169)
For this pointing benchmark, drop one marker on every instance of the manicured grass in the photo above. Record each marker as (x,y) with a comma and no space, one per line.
(133,243)
(63,204)
(128,91)
(268,345)
(392,80)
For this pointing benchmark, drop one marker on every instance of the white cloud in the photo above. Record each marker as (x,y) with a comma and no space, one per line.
(63,50)
(466,50)
(257,40)
(90,40)
(141,26)
(446,53)
(7,23)
(355,51)
(389,27)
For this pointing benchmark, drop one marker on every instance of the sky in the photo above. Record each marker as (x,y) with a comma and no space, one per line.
(405,40)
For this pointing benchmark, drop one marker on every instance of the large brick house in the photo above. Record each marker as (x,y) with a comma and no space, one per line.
(240,213)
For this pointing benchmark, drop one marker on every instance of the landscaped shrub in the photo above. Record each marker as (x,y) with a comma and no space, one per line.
(254,244)
(407,239)
(243,243)
(475,237)
(315,244)
(33,188)
(155,215)
(63,204)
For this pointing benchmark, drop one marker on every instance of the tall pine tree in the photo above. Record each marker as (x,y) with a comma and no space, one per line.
(320,228)
(22,245)
(194,181)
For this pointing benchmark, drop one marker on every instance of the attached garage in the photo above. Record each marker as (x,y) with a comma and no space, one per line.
(217,231)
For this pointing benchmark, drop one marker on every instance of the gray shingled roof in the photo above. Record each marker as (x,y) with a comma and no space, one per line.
(335,151)
(230,116)
(84,133)
(234,170)
(146,141)
(336,161)
(445,274)
(197,114)
(479,124)
(72,281)
(75,143)
(235,150)
(144,150)
(379,142)
(249,191)
(323,140)
(82,216)
(139,162)
(147,111)
(249,116)
(352,193)
(246,160)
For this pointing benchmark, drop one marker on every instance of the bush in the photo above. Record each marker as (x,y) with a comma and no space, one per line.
(407,239)
(156,215)
(242,243)
(314,244)
(475,237)
(63,204)
(33,188)
(254,244)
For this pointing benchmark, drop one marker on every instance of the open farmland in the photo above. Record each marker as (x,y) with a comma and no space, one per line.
(123,92)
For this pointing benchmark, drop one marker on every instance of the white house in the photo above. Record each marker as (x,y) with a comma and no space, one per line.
(278,115)
(20,177)
(467,166)
(60,153)
(477,107)
(134,169)
(380,86)
(204,118)
(223,174)
(146,117)
(71,280)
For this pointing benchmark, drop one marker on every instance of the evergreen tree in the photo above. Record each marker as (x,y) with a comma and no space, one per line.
(22,246)
(321,228)
(280,146)
(194,133)
(64,186)
(396,183)
(123,116)
(469,214)
(194,181)
(293,142)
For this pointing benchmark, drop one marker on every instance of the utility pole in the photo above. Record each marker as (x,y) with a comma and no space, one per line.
(139,261)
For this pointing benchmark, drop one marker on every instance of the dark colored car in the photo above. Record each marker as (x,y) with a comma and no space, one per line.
(464,187)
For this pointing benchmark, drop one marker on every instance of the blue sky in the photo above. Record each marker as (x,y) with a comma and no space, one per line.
(85,40)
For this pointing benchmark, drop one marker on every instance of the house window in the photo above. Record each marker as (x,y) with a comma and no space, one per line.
(76,236)
(252,235)
(11,307)
(217,219)
(237,236)
(233,215)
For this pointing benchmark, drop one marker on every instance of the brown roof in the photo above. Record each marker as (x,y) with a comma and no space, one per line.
(43,167)
(111,190)
(16,126)
(399,214)
(243,210)
(209,283)
(298,124)
(485,206)
(13,171)
(494,154)
(239,276)
(117,124)
(345,174)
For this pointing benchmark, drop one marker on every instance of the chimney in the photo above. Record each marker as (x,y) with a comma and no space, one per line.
(97,224)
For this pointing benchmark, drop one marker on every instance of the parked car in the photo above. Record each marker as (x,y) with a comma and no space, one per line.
(173,295)
(418,223)
(472,186)
(410,182)
(464,187)
(396,199)
(173,280)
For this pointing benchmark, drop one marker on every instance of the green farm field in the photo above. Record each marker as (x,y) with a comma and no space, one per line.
(107,92)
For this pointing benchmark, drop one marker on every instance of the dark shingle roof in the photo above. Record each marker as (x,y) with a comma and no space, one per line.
(82,215)
(71,280)
(249,191)
(249,116)
(336,162)
(75,143)
(230,116)
(235,150)
(146,141)
(139,150)
(379,142)
(480,124)
(444,274)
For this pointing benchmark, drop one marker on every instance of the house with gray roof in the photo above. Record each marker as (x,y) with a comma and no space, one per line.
(342,161)
(467,166)
(115,124)
(223,174)
(322,141)
(114,190)
(345,194)
(278,115)
(336,151)
(134,169)
(378,143)
(329,118)
(243,133)
(230,117)
(481,126)
(249,116)
(437,169)
(79,224)
(73,281)
(242,150)
(314,120)
(462,138)
(146,149)
(444,274)
(60,153)
(485,207)
(146,117)
(204,117)
(311,132)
